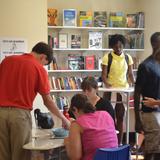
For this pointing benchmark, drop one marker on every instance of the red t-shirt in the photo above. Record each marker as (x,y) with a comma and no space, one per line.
(21,77)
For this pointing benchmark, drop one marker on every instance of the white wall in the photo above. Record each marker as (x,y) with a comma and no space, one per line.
(25,19)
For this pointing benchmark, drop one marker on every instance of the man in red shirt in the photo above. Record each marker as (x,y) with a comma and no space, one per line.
(21,78)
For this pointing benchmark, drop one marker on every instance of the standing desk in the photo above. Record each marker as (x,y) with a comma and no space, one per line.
(127,91)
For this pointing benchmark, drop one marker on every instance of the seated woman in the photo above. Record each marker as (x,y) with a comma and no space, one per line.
(91,130)
(90,87)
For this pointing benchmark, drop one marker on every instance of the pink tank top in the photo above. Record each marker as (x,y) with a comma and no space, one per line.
(98,132)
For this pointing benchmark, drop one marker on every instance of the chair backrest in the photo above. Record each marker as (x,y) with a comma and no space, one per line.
(119,153)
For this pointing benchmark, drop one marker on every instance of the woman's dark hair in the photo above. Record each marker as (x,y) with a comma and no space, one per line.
(43,48)
(81,102)
(88,83)
(115,38)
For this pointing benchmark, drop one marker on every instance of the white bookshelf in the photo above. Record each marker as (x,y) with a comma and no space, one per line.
(94,28)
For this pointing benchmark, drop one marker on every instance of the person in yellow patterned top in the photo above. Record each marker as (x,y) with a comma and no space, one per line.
(117,69)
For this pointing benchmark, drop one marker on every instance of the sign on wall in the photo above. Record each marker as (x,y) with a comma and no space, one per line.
(10,46)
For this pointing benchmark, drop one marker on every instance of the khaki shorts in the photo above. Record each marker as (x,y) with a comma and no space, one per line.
(15,131)
(151,126)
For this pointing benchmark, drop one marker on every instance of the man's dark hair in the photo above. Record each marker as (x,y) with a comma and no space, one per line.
(155,39)
(43,48)
(88,83)
(115,38)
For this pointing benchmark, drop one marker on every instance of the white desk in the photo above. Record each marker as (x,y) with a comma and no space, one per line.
(43,145)
(127,91)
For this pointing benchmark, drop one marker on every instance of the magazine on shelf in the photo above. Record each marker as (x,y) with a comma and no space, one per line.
(95,40)
(135,20)
(85,18)
(52,14)
(69,17)
(63,40)
(90,62)
(75,62)
(117,19)
(131,20)
(100,19)
(75,41)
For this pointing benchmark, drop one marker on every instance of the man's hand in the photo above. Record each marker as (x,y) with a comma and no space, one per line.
(150,102)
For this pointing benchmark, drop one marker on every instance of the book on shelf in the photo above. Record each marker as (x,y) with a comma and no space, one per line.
(53,65)
(62,82)
(131,20)
(50,41)
(117,19)
(63,40)
(72,83)
(75,41)
(135,20)
(57,82)
(90,62)
(134,40)
(52,14)
(66,83)
(99,63)
(95,40)
(140,20)
(54,85)
(69,17)
(61,101)
(85,18)
(75,62)
(100,19)
(50,82)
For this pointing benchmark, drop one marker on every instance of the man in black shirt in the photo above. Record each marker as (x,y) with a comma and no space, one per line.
(148,85)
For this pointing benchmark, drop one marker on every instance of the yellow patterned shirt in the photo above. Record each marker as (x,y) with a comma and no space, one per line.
(118,69)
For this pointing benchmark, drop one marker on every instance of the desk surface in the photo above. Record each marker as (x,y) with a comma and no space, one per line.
(127,90)
(41,133)
(42,140)
(44,144)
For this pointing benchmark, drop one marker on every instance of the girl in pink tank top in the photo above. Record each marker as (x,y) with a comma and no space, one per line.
(91,130)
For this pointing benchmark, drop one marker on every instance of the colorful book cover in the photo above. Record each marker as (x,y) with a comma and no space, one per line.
(85,18)
(117,19)
(100,19)
(75,41)
(69,17)
(52,14)
(75,62)
(63,40)
(95,40)
(90,62)
(132,20)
